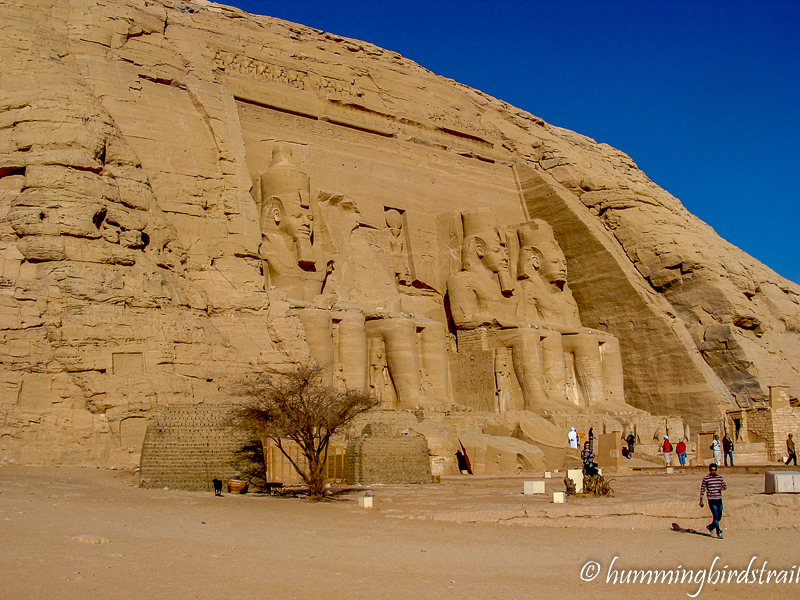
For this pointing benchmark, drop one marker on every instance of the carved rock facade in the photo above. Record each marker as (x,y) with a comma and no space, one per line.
(152,250)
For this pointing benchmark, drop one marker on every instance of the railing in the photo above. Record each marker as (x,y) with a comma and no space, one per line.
(280,470)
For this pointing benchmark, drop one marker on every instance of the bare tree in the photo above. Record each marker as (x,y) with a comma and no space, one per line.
(298,405)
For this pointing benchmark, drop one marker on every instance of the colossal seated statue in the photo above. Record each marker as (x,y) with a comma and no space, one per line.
(482,298)
(292,263)
(346,338)
(595,368)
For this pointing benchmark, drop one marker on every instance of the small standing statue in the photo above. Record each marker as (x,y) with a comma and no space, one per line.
(400,263)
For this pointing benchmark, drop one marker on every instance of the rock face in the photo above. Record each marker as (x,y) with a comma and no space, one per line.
(143,236)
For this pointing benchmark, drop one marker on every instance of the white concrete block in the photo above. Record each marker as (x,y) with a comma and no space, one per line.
(548,475)
(365,502)
(559,497)
(670,470)
(577,478)
(782,482)
(533,487)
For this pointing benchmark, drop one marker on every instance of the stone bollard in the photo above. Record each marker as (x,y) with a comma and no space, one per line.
(577,478)
(670,470)
(365,502)
(548,474)
(533,487)
(559,497)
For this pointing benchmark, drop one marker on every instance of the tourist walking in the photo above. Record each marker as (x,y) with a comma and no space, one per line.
(712,487)
(680,450)
(631,440)
(790,449)
(716,448)
(727,448)
(666,447)
(572,436)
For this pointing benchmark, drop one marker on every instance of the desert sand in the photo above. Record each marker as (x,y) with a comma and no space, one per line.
(92,533)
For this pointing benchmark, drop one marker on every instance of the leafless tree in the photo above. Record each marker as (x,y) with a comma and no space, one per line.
(298,405)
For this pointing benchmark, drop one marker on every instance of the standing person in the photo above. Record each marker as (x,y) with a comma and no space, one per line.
(727,448)
(591,439)
(631,440)
(791,450)
(667,448)
(680,449)
(572,436)
(712,487)
(716,448)
(587,456)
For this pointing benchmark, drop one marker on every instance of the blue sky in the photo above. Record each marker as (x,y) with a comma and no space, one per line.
(704,95)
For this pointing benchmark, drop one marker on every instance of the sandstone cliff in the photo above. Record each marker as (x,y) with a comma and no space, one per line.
(130,133)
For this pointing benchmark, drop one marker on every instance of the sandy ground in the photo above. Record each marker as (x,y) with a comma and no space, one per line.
(90,533)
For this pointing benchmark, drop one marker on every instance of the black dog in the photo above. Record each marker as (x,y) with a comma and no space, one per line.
(217,486)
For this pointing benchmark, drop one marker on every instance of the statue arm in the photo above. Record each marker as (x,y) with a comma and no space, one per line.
(464,303)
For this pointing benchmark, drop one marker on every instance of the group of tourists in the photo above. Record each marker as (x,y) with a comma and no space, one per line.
(712,484)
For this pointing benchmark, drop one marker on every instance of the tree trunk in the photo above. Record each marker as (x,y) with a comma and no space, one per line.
(316,476)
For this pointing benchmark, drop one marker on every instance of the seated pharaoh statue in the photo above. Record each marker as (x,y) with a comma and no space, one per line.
(584,365)
(482,299)
(292,263)
(344,336)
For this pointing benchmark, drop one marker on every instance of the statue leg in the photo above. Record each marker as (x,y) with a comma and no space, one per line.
(554,366)
(319,337)
(433,353)
(611,358)
(352,350)
(400,336)
(588,370)
(526,355)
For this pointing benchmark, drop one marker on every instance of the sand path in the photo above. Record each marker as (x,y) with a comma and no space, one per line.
(89,533)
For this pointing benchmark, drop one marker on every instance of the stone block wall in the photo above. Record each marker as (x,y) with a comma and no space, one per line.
(773,425)
(380,455)
(185,447)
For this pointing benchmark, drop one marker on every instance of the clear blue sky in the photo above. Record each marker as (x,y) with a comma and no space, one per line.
(704,95)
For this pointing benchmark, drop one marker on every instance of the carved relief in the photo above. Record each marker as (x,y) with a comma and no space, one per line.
(482,297)
(579,363)
(401,253)
(292,263)
(265,71)
(365,342)
(533,326)
(502,378)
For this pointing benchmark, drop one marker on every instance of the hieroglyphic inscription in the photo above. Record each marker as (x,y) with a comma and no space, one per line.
(456,125)
(261,115)
(474,379)
(345,91)
(230,62)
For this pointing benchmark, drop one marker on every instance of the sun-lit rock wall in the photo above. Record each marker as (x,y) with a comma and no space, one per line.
(131,134)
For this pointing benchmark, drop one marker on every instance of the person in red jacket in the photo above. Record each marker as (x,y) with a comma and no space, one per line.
(666,448)
(680,449)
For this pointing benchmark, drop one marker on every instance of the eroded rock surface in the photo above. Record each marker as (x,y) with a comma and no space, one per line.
(136,265)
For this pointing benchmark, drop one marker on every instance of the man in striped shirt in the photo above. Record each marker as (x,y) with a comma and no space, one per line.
(712,487)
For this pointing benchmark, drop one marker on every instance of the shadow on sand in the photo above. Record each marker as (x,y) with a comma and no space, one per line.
(679,529)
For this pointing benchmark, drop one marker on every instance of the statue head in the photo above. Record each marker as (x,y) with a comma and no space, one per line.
(484,247)
(540,254)
(394,221)
(286,205)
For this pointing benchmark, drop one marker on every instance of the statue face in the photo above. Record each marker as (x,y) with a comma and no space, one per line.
(527,263)
(553,266)
(295,222)
(495,256)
